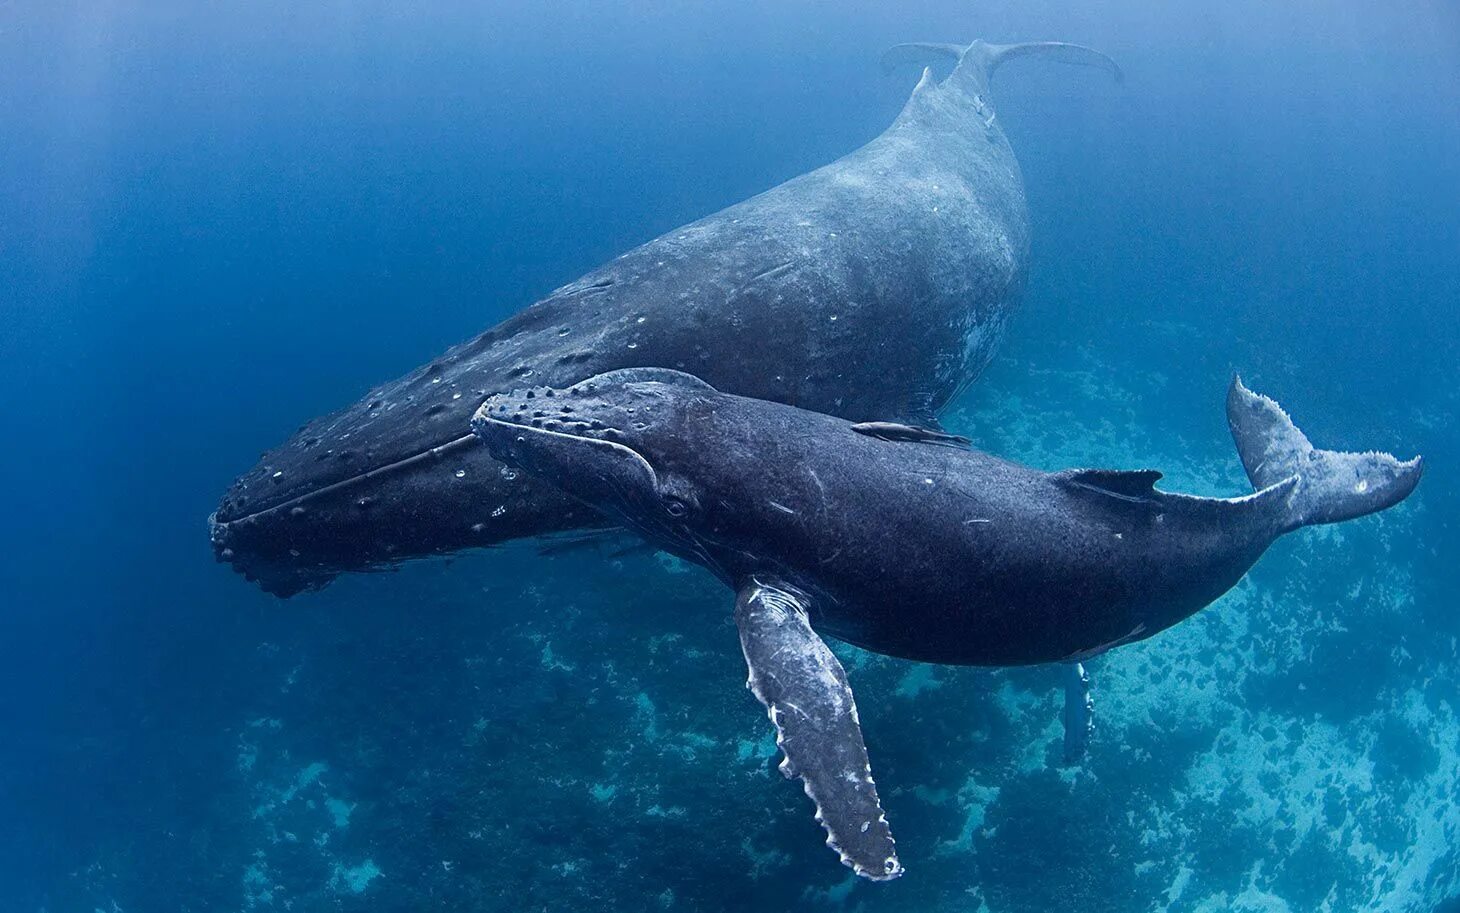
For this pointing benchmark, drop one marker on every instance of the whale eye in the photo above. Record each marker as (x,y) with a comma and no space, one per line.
(675,507)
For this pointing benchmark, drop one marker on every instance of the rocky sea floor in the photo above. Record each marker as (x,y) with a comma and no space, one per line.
(517,732)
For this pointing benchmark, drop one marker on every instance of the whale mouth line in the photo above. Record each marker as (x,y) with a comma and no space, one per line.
(429,454)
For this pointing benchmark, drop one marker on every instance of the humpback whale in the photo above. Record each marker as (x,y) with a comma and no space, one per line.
(874,287)
(908,543)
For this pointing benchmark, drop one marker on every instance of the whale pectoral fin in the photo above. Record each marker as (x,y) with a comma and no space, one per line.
(1079,713)
(896,431)
(806,695)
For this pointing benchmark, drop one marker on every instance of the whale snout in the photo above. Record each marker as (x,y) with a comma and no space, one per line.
(251,549)
(449,497)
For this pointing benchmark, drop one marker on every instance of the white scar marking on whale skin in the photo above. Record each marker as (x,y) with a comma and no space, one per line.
(817,479)
(977,520)
(782,508)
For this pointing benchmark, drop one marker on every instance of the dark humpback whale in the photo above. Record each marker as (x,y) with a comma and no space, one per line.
(874,287)
(908,543)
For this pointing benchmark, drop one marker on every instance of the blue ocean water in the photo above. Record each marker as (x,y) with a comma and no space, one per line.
(216,223)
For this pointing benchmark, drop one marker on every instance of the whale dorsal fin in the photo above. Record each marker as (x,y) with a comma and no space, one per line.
(898,432)
(1137,485)
(806,695)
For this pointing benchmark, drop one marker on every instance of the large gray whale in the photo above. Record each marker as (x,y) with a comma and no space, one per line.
(874,287)
(904,541)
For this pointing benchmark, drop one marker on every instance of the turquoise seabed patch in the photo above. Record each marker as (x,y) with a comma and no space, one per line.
(356,878)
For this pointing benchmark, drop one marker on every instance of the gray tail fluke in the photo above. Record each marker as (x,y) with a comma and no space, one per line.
(995,55)
(1332,485)
(991,56)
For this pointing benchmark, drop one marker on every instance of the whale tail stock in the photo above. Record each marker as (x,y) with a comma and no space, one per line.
(1332,485)
(991,56)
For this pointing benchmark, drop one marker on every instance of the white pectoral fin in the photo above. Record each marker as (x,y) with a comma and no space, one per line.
(806,695)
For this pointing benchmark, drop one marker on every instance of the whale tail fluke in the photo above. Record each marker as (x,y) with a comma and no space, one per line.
(991,56)
(1332,485)
(995,55)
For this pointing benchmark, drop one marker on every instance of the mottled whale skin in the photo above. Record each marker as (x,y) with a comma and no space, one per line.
(906,542)
(875,287)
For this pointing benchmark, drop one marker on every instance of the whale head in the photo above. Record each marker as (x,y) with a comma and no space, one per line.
(615,442)
(395,475)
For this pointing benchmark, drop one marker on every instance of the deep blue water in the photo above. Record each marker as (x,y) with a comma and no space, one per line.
(216,223)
